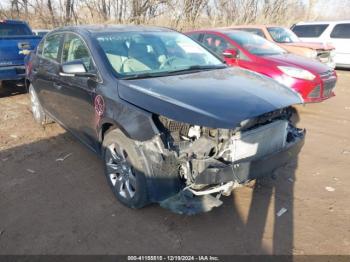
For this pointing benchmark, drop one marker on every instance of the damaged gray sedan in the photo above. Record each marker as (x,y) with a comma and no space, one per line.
(173,124)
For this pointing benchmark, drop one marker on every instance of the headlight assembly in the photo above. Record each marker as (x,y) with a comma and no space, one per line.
(297,72)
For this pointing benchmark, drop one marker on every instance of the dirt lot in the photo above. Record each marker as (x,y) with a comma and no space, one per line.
(66,207)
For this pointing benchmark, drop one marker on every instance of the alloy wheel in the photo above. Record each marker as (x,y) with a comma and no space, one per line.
(35,104)
(120,172)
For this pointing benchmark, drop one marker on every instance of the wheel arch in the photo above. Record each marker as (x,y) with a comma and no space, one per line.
(140,128)
(106,125)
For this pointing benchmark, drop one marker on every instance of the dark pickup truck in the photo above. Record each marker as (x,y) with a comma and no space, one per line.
(16,41)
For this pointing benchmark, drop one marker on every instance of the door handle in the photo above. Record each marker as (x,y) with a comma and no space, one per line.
(57,86)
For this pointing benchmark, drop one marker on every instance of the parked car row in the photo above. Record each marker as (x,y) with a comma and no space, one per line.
(335,32)
(313,80)
(286,39)
(175,120)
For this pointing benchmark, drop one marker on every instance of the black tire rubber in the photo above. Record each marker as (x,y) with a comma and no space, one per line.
(41,118)
(137,163)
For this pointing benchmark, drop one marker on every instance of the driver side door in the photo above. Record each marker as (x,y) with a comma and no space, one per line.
(77,93)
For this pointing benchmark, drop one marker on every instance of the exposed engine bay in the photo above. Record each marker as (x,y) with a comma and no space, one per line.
(205,161)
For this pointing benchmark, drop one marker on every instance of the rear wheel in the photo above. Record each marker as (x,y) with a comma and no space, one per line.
(37,110)
(124,170)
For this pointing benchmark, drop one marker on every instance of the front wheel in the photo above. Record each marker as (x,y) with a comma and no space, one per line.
(124,170)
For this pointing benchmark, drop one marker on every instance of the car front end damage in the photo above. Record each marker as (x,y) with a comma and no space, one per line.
(188,164)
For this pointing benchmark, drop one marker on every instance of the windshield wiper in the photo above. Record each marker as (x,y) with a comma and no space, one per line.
(145,75)
(198,67)
(166,73)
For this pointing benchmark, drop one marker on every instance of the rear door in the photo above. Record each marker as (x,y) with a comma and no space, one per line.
(47,71)
(77,94)
(340,38)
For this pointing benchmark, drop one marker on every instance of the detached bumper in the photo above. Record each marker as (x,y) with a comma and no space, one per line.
(246,170)
(12,72)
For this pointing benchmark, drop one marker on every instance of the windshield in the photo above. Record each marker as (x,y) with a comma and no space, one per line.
(14,29)
(282,35)
(154,53)
(255,44)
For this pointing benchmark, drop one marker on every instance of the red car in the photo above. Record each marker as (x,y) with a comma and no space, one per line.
(313,80)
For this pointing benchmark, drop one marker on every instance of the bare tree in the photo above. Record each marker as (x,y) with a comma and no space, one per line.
(69,11)
(15,8)
(193,8)
(52,14)
(144,9)
(180,14)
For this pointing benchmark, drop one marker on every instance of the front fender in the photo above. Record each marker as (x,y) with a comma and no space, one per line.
(135,123)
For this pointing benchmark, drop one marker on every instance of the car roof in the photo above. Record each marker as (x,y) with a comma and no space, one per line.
(254,26)
(322,22)
(222,30)
(12,21)
(114,28)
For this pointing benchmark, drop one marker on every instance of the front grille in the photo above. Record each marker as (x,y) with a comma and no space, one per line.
(329,81)
(316,92)
(327,75)
(328,87)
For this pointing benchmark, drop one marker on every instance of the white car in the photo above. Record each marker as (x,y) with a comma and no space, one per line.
(336,33)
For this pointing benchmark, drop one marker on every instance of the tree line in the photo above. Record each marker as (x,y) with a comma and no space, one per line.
(180,14)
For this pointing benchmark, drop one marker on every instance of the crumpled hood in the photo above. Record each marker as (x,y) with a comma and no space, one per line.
(217,98)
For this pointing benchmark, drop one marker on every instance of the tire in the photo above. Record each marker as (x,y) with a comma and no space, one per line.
(125,170)
(36,108)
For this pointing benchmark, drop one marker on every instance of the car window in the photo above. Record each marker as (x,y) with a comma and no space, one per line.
(74,49)
(160,52)
(255,31)
(41,33)
(341,31)
(195,36)
(217,44)
(51,46)
(40,47)
(14,29)
(255,44)
(282,35)
(309,30)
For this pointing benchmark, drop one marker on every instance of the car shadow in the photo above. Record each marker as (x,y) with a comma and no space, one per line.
(68,208)
(12,88)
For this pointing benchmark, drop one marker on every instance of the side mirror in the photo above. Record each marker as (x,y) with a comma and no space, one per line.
(230,53)
(75,68)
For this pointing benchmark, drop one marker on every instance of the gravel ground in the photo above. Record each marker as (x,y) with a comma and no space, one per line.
(66,207)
